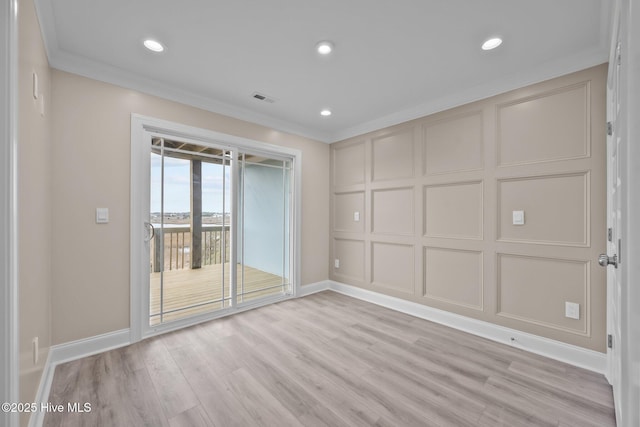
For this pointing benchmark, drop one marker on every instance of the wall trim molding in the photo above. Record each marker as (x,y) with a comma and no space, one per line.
(314,288)
(72,63)
(573,355)
(9,328)
(42,394)
(75,350)
(67,352)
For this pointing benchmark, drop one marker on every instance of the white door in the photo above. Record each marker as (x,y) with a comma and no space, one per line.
(612,259)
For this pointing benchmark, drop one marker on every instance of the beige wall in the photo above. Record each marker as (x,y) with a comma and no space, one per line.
(91,168)
(436,195)
(34,202)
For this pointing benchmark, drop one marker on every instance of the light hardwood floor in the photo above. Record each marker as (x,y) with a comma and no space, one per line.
(327,360)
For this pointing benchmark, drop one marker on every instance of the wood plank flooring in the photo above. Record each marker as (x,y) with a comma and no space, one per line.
(187,287)
(327,360)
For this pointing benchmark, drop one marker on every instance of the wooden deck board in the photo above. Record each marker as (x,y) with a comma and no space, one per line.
(186,287)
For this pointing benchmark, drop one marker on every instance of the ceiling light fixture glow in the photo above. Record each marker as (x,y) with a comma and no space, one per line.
(153,45)
(325,112)
(324,47)
(492,43)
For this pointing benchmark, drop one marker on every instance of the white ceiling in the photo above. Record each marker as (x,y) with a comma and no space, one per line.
(393,60)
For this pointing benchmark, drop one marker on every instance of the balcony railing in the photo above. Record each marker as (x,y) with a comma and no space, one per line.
(177,246)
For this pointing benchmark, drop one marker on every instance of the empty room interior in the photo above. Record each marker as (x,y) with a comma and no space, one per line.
(413,213)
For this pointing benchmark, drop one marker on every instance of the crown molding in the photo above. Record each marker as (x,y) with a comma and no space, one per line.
(107,73)
(538,74)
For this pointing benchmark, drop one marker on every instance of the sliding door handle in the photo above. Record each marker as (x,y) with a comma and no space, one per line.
(151,232)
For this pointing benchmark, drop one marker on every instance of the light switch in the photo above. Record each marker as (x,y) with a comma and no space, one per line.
(518,217)
(571,310)
(356,216)
(102,215)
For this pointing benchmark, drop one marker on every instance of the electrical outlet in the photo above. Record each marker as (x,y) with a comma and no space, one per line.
(336,263)
(572,310)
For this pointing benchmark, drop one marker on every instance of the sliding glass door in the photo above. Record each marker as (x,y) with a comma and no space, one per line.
(219,229)
(263,227)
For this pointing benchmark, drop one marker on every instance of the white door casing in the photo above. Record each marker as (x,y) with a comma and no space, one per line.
(614,219)
(141,130)
(9,367)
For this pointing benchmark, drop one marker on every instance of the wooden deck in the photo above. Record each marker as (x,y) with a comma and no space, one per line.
(186,287)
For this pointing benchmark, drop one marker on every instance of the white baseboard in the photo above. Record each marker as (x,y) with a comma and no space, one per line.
(574,355)
(89,346)
(567,353)
(42,395)
(72,351)
(313,288)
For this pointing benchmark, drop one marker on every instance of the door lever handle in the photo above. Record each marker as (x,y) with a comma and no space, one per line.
(605,260)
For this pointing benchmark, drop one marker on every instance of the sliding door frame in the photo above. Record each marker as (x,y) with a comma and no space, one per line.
(142,129)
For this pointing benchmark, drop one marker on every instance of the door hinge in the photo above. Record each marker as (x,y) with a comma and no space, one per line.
(610,341)
(610,234)
(609,128)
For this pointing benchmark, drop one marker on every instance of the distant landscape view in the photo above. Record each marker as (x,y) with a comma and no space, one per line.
(176,234)
(185,218)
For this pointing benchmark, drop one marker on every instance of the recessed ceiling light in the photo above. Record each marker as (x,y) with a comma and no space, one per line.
(325,112)
(153,45)
(492,43)
(324,47)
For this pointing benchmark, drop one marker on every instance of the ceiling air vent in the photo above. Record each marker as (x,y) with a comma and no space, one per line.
(262,97)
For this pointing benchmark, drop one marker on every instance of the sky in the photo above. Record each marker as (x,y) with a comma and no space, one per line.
(177,181)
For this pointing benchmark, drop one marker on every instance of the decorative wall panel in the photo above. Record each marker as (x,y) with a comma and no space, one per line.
(525,284)
(453,145)
(556,209)
(349,165)
(351,256)
(345,206)
(550,126)
(439,198)
(392,156)
(453,210)
(393,266)
(454,276)
(393,211)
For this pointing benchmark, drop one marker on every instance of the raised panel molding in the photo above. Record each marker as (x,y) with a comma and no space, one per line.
(392,266)
(549,126)
(349,164)
(345,206)
(393,211)
(454,210)
(556,209)
(454,276)
(454,144)
(351,254)
(392,156)
(540,149)
(534,289)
